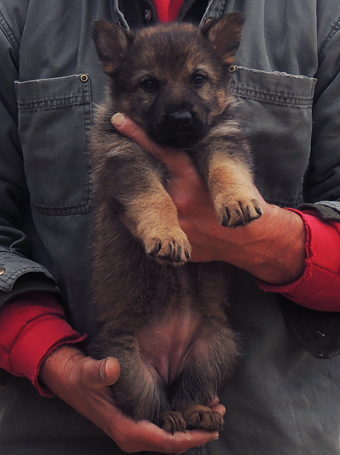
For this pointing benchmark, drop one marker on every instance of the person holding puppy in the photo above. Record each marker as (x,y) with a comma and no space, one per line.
(285,300)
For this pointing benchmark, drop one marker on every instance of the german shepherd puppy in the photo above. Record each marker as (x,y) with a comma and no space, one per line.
(166,325)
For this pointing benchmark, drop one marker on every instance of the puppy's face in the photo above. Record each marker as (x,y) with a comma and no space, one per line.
(171,79)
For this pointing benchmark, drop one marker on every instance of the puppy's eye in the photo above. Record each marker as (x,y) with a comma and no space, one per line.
(149,85)
(198,80)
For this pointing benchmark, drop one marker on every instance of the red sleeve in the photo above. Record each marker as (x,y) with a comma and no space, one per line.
(31,327)
(319,286)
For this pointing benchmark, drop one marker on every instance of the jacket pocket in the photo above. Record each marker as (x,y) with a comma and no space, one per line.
(276,113)
(54,126)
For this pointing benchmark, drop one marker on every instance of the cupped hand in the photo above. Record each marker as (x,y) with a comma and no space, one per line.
(84,383)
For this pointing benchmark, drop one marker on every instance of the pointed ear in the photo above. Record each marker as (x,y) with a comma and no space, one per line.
(111,42)
(225,35)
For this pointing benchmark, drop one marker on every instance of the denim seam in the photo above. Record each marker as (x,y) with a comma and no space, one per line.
(273,98)
(52,103)
(81,209)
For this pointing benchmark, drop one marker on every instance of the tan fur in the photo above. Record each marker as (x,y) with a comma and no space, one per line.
(232,190)
(155,222)
(167,325)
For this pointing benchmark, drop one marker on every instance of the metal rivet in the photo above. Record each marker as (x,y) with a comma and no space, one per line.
(148,15)
(84,78)
(2,270)
(232,69)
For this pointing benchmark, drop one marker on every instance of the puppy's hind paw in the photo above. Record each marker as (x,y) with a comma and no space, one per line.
(204,418)
(173,421)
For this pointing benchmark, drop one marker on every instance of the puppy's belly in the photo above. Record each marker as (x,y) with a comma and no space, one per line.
(167,346)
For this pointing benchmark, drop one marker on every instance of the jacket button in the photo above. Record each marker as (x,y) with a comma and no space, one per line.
(2,270)
(147,15)
(84,78)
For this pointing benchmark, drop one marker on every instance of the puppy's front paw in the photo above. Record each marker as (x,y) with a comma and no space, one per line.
(171,247)
(238,212)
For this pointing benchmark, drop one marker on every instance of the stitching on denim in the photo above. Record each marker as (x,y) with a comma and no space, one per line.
(53,103)
(81,96)
(273,98)
(67,211)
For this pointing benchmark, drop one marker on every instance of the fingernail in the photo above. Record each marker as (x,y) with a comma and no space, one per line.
(118,120)
(102,369)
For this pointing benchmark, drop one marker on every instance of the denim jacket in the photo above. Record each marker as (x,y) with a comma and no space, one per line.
(287,79)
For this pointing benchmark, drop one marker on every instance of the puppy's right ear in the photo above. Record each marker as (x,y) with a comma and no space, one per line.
(111,42)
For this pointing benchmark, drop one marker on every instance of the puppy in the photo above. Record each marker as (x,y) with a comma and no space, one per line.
(166,325)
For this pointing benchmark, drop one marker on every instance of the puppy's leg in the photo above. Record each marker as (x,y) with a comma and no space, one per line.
(207,372)
(153,218)
(134,182)
(224,161)
(138,392)
(233,192)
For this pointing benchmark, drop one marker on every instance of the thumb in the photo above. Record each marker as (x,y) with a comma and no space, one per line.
(101,372)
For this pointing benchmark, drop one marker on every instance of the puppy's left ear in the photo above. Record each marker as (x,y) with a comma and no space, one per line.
(225,35)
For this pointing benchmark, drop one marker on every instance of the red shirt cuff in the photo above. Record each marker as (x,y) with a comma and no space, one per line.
(30,329)
(319,286)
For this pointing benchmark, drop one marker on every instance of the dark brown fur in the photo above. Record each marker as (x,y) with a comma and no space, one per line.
(174,81)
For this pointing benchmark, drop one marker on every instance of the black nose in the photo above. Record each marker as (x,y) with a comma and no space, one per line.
(180,118)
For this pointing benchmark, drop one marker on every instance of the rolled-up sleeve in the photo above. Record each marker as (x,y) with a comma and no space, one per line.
(319,286)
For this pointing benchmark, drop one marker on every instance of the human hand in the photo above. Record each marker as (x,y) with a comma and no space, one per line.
(84,383)
(272,248)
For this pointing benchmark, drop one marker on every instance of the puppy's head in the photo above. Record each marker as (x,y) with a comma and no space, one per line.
(172,79)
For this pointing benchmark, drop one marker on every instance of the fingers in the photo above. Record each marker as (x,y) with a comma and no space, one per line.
(145,436)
